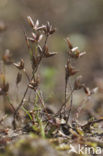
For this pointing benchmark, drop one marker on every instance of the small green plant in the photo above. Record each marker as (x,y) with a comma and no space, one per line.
(41,120)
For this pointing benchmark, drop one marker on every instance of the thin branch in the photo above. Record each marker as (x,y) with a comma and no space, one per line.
(61,108)
(71,103)
(88,124)
(26,74)
(3,118)
(84,101)
(17,109)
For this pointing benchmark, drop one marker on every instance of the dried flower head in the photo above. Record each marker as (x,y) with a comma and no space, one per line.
(30,21)
(18,78)
(77,83)
(69,43)
(4,87)
(74,52)
(48,29)
(47,53)
(37,37)
(7,57)
(34,83)
(70,70)
(36,25)
(19,65)
(86,89)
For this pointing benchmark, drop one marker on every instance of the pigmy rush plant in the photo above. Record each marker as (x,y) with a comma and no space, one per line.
(40,119)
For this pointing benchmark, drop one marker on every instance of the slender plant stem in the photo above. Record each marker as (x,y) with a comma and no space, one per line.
(66,82)
(85,100)
(71,103)
(26,75)
(17,109)
(42,103)
(88,124)
(40,98)
(33,74)
(3,118)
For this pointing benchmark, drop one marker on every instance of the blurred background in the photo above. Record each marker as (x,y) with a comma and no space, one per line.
(81,20)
